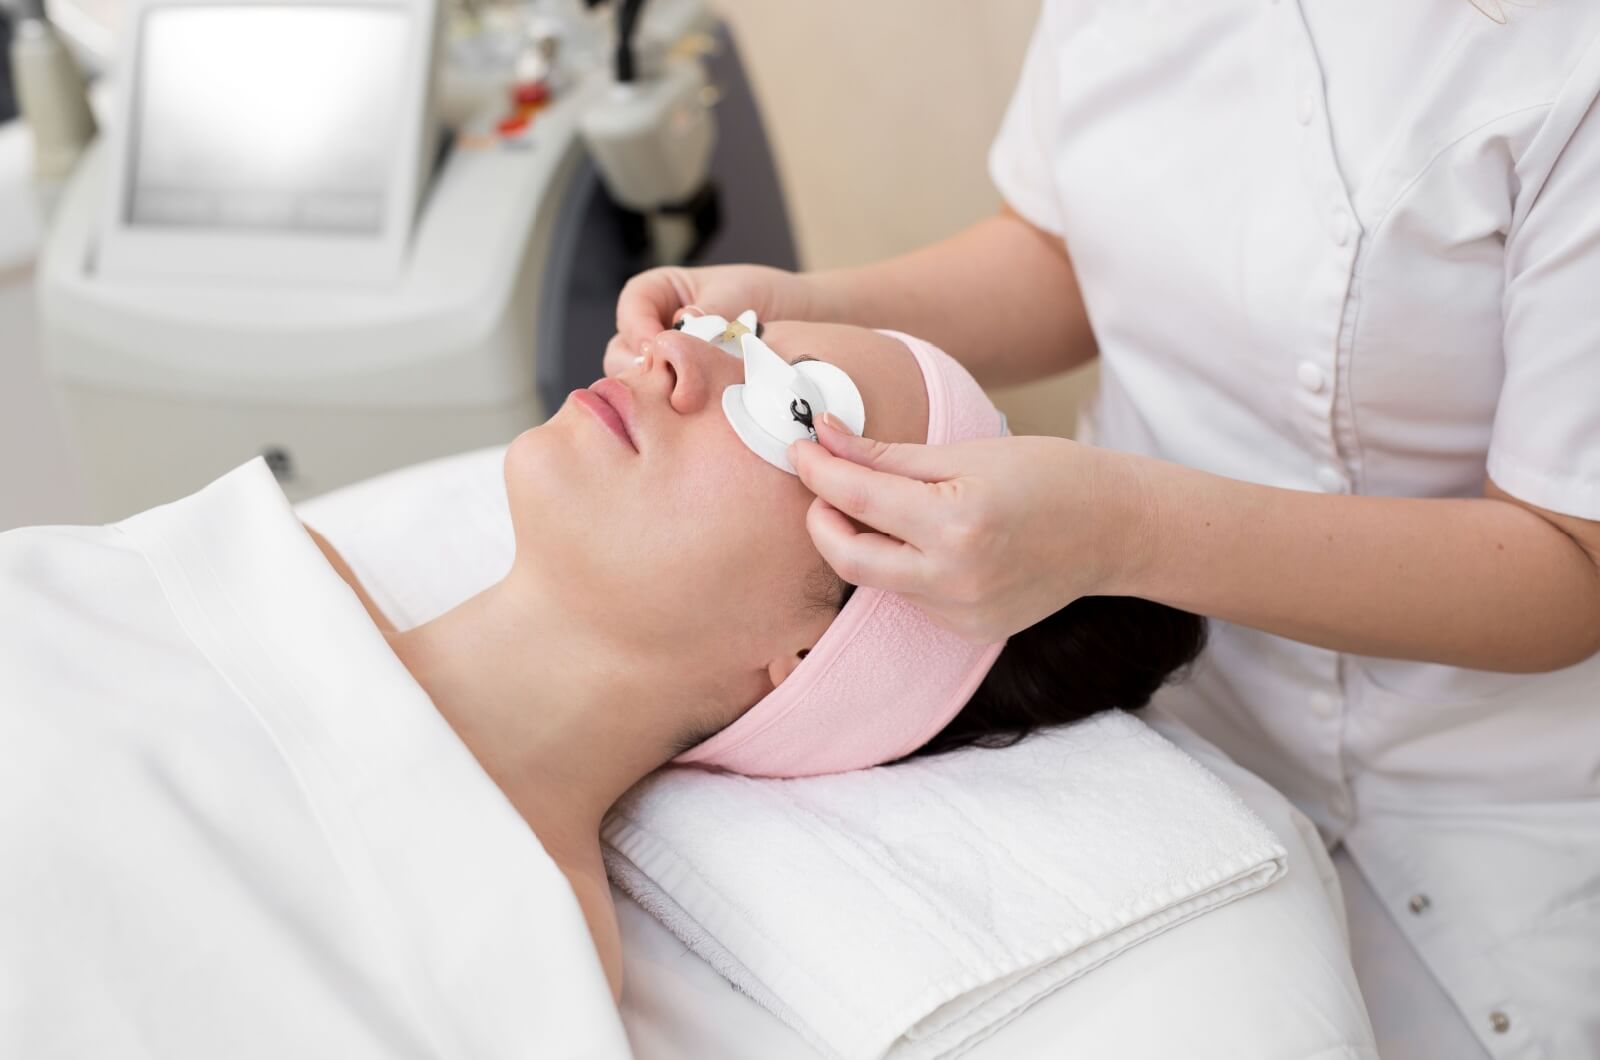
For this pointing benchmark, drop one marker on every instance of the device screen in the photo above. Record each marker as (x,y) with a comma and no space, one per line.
(268,117)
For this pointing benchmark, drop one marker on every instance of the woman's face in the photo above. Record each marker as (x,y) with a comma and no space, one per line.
(666,532)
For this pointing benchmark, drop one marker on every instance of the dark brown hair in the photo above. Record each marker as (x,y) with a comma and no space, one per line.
(1097,653)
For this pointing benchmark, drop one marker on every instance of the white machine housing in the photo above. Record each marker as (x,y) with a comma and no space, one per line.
(504,300)
(167,385)
(652,139)
(371,108)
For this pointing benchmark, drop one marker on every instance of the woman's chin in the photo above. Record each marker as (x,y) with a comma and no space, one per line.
(549,485)
(532,470)
(521,454)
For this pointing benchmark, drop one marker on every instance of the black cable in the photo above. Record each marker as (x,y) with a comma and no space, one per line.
(8,99)
(627,22)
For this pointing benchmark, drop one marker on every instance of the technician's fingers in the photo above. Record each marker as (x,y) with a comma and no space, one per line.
(877,561)
(648,302)
(904,507)
(924,462)
(619,359)
(863,557)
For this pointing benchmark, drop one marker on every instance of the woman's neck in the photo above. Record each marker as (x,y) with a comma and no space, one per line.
(562,716)
(546,732)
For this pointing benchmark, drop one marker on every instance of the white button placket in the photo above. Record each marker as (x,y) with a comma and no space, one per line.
(1317,371)
(1313,373)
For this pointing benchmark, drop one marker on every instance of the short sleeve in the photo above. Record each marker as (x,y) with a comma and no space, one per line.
(1545,447)
(1020,157)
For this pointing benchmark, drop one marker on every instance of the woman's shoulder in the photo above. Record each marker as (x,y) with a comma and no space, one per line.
(343,570)
(586,874)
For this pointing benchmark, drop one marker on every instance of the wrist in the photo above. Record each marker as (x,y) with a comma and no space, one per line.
(828,296)
(1131,496)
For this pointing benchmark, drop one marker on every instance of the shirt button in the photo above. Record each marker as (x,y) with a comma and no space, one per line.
(1305,108)
(1323,705)
(1419,904)
(1310,376)
(1340,227)
(1499,1022)
(1330,479)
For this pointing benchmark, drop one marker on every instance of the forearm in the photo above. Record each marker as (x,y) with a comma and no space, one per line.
(1000,296)
(1484,583)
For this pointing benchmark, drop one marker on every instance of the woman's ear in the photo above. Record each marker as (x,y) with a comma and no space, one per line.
(802,639)
(784,665)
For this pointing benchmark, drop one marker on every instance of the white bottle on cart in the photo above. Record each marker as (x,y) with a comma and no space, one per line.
(53,98)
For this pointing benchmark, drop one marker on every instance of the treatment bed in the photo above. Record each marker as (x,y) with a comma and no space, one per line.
(1266,976)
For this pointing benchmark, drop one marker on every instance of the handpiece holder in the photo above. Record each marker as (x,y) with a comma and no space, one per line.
(51,95)
(651,134)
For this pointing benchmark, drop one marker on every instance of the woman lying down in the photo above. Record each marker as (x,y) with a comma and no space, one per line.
(241,813)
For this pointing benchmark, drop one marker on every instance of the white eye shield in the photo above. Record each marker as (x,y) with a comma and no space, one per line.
(778,402)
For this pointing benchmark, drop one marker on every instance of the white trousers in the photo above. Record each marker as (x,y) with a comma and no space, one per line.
(1412,1017)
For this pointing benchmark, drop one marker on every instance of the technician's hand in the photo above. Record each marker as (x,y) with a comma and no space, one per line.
(655,300)
(988,536)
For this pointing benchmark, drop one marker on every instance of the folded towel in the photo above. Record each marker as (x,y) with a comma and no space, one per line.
(912,910)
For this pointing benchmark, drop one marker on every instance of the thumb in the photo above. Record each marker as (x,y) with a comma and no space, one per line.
(648,304)
(906,459)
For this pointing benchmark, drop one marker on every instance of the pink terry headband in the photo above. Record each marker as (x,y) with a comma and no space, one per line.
(883,679)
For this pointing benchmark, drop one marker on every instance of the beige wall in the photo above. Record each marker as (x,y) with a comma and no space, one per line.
(881,113)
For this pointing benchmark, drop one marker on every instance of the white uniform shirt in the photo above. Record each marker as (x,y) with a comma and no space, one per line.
(1354,246)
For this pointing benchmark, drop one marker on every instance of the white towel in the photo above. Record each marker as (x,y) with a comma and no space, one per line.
(912,910)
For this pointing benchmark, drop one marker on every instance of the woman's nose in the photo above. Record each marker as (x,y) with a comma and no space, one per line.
(696,369)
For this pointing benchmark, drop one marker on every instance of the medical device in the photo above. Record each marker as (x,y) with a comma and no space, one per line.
(222,167)
(352,235)
(650,134)
(778,403)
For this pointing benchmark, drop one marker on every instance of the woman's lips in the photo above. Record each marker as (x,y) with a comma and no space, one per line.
(612,404)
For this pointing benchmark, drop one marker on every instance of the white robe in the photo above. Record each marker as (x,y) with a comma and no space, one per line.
(231,824)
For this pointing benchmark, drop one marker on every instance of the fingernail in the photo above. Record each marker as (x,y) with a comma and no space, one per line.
(794,451)
(644,347)
(638,360)
(835,422)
